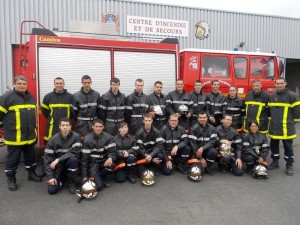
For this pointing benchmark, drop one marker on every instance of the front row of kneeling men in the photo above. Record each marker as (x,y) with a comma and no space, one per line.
(100,154)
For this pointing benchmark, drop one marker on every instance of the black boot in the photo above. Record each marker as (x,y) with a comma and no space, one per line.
(180,169)
(32,176)
(208,170)
(72,187)
(250,169)
(106,183)
(12,185)
(274,164)
(131,178)
(289,169)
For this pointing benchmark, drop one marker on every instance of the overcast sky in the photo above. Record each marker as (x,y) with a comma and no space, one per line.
(286,8)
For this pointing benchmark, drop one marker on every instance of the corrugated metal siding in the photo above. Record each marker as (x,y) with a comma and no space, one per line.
(228,29)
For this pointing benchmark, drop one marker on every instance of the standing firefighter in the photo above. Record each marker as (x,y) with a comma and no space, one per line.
(85,106)
(198,98)
(17,115)
(257,107)
(56,105)
(285,108)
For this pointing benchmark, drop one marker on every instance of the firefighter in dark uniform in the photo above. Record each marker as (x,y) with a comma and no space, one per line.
(231,153)
(98,155)
(285,108)
(157,105)
(179,102)
(256,102)
(85,106)
(150,145)
(112,107)
(61,158)
(235,107)
(203,138)
(56,105)
(199,101)
(175,141)
(127,152)
(255,147)
(136,107)
(215,104)
(18,118)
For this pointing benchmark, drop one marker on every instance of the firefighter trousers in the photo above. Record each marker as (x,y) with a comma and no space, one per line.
(13,158)
(288,150)
(123,173)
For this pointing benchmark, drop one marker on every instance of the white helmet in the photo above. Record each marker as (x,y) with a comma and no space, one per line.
(157,109)
(183,109)
(148,178)
(260,171)
(225,150)
(194,174)
(88,190)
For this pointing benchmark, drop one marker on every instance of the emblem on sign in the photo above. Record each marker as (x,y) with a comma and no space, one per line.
(202,30)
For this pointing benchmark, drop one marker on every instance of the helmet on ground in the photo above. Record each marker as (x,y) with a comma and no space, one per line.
(148,177)
(157,109)
(88,189)
(194,174)
(225,150)
(260,170)
(183,109)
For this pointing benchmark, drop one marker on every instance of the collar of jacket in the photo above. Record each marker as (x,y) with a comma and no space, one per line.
(160,96)
(137,94)
(286,90)
(113,93)
(198,93)
(97,136)
(203,126)
(257,94)
(215,94)
(232,99)
(70,134)
(183,92)
(18,93)
(168,125)
(151,129)
(60,93)
(90,91)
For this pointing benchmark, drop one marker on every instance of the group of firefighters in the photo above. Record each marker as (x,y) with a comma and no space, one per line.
(141,134)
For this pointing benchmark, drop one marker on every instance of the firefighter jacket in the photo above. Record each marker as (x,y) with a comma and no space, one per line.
(126,143)
(60,148)
(257,109)
(136,107)
(112,110)
(54,107)
(85,106)
(96,149)
(232,135)
(236,108)
(285,108)
(150,143)
(255,145)
(174,101)
(172,137)
(202,136)
(199,102)
(215,102)
(18,118)
(153,100)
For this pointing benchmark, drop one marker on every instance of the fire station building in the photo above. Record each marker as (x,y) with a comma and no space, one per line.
(117,19)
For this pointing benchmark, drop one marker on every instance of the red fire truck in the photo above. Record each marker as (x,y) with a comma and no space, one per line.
(48,57)
(237,68)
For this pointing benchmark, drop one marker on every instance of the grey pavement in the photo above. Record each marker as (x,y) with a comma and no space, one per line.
(221,199)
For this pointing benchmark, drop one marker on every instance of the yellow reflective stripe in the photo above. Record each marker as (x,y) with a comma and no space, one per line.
(18,125)
(285,115)
(26,106)
(3,109)
(44,106)
(258,114)
(68,106)
(255,103)
(263,131)
(296,120)
(283,137)
(0,122)
(19,142)
(295,104)
(279,104)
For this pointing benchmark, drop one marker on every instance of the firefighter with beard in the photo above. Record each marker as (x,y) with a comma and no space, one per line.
(61,158)
(85,106)
(215,104)
(150,144)
(112,107)
(176,146)
(136,107)
(18,118)
(255,147)
(98,155)
(127,152)
(157,105)
(235,107)
(230,147)
(203,138)
(256,102)
(179,102)
(198,98)
(285,108)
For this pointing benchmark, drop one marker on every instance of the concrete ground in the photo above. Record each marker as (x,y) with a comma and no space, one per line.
(221,199)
